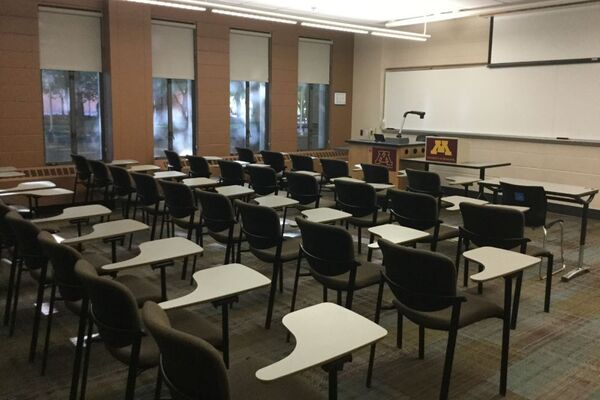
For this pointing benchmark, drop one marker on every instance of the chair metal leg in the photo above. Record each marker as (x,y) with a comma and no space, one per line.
(79,350)
(38,314)
(272,295)
(295,290)
(359,240)
(339,297)
(15,301)
(48,328)
(158,389)
(549,274)
(153,226)
(399,329)
(86,360)
(373,346)
(505,334)
(448,363)
(562,250)
(516,301)
(421,342)
(132,374)
(324,293)
(370,250)
(11,286)
(280,277)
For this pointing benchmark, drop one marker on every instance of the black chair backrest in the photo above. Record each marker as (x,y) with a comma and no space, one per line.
(147,189)
(533,197)
(421,280)
(262,179)
(413,210)
(113,307)
(260,225)
(81,166)
(26,233)
(303,188)
(302,163)
(333,168)
(232,173)
(63,259)
(217,210)
(199,167)
(487,225)
(375,173)
(173,160)
(121,180)
(424,182)
(6,233)
(356,198)
(329,249)
(274,159)
(191,367)
(245,154)
(178,198)
(100,171)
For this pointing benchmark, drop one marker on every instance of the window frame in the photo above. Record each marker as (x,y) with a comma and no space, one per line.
(247,112)
(311,87)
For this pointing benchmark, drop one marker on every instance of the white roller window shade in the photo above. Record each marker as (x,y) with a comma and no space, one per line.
(70,40)
(313,61)
(172,50)
(248,56)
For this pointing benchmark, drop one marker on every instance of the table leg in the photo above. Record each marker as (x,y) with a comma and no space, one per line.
(505,334)
(225,332)
(580,269)
(113,250)
(283,224)
(481,177)
(332,370)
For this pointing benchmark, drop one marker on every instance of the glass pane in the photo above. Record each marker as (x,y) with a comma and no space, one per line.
(302,117)
(258,116)
(237,115)
(161,116)
(57,115)
(88,124)
(181,97)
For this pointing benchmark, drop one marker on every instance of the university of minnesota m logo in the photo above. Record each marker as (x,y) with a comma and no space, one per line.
(441,147)
(385,157)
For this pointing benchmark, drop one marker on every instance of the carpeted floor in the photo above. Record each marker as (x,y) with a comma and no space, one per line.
(552,356)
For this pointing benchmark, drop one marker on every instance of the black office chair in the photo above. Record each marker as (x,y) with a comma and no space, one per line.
(373,173)
(359,199)
(219,219)
(101,179)
(305,189)
(114,310)
(173,161)
(246,155)
(263,180)
(83,175)
(426,182)
(8,241)
(275,160)
(535,198)
(329,251)
(424,288)
(192,369)
(302,163)
(488,225)
(199,167)
(122,187)
(332,169)
(149,201)
(63,259)
(420,211)
(232,173)
(262,229)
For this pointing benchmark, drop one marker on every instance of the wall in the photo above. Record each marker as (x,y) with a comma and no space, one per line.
(463,41)
(127,62)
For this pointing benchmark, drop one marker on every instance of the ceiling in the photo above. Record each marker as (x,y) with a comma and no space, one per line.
(375,12)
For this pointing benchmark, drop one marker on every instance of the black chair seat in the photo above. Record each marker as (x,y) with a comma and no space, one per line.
(473,310)
(289,251)
(36,274)
(150,208)
(446,232)
(97,260)
(223,236)
(322,203)
(141,288)
(185,222)
(367,274)
(367,220)
(149,353)
(537,251)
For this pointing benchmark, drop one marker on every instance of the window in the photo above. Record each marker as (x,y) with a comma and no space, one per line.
(248,89)
(71,65)
(173,87)
(72,116)
(313,93)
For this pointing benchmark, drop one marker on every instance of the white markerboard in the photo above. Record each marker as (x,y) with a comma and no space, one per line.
(540,101)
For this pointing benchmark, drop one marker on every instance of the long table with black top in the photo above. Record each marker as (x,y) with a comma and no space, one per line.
(557,192)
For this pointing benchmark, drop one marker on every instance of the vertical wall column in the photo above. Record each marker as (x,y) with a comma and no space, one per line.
(283,91)
(21,130)
(130,72)
(340,117)
(212,89)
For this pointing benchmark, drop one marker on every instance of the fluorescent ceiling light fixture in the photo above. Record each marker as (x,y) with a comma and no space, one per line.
(254,16)
(168,4)
(334,28)
(362,28)
(389,35)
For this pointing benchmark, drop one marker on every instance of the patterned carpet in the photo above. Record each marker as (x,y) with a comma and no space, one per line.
(552,356)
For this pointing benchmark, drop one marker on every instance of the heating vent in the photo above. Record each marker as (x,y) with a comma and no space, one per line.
(45,172)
